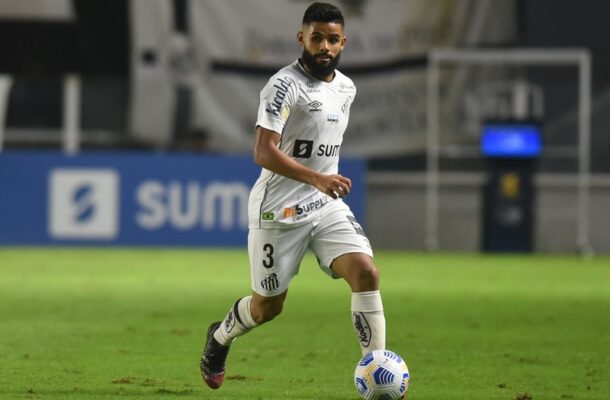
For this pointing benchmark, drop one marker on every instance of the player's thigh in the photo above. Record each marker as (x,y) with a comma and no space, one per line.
(275,256)
(339,234)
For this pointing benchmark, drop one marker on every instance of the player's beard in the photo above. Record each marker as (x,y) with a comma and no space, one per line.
(320,70)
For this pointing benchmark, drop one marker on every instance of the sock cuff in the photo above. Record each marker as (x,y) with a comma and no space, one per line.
(241,309)
(367,301)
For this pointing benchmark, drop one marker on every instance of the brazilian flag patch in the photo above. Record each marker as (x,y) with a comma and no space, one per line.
(268,216)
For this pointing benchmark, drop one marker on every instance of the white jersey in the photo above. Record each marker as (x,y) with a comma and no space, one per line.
(311,117)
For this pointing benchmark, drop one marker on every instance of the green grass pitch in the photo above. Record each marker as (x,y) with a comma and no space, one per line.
(129,323)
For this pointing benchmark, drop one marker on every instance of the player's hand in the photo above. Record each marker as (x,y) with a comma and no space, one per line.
(334,185)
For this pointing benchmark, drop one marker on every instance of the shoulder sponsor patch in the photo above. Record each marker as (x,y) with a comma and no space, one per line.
(281,86)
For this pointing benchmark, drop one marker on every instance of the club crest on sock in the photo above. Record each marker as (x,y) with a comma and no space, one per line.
(229,322)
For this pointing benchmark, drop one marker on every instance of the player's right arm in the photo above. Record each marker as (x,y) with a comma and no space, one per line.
(269,156)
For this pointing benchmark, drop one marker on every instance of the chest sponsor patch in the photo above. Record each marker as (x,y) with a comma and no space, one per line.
(302,148)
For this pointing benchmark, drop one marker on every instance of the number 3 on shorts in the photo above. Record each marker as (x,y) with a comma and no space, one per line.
(268,249)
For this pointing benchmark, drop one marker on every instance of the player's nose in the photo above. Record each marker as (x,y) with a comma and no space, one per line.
(324,46)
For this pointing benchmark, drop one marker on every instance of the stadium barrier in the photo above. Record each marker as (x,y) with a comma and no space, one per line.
(133,198)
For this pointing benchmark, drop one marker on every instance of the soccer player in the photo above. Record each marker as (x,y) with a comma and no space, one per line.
(296,203)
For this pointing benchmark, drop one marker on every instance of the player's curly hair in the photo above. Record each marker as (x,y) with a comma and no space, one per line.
(323,12)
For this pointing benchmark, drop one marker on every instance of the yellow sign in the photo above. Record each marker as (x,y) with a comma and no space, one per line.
(510,185)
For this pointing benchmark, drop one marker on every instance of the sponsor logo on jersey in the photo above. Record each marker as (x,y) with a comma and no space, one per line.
(328,150)
(302,148)
(270,282)
(275,108)
(334,118)
(363,328)
(346,89)
(359,230)
(312,87)
(356,225)
(302,210)
(285,113)
(315,106)
(345,106)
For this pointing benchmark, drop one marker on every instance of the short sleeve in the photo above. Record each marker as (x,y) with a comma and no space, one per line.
(276,100)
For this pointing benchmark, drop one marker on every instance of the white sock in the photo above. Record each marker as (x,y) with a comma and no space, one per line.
(368,320)
(237,322)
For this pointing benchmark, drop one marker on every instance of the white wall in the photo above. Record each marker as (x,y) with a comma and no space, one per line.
(395,212)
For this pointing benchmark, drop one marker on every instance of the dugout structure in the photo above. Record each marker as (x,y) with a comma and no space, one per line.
(517,57)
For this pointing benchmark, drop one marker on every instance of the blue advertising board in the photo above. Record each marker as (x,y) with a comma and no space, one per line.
(133,198)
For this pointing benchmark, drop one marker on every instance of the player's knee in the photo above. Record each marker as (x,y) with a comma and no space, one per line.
(266,312)
(367,277)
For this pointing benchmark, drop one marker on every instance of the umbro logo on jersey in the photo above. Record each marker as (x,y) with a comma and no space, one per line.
(302,148)
(315,106)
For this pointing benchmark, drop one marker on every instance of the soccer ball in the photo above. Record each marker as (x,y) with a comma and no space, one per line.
(381,375)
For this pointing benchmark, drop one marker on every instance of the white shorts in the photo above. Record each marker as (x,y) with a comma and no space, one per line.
(276,254)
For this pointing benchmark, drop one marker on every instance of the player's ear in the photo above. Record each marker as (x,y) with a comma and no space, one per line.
(300,37)
(343,42)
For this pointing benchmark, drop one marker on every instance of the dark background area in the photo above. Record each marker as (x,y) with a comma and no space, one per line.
(96,46)
(564,23)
